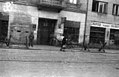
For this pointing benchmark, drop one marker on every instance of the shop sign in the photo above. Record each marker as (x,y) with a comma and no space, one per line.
(97,24)
(104,25)
(115,26)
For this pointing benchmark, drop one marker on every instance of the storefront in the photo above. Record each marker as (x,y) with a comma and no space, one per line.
(74,25)
(97,34)
(71,29)
(114,36)
(43,21)
(103,32)
(15,19)
(49,24)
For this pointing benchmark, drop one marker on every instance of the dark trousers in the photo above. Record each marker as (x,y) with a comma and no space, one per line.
(31,43)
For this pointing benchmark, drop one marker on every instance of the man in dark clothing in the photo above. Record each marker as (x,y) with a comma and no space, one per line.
(31,38)
(63,45)
(102,46)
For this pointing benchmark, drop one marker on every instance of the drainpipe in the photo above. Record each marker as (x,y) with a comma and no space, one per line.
(85,22)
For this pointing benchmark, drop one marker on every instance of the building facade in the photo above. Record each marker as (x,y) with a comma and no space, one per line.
(43,16)
(103,22)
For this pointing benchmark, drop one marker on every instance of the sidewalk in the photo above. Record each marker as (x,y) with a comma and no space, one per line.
(54,48)
(35,47)
(39,60)
(45,47)
(43,53)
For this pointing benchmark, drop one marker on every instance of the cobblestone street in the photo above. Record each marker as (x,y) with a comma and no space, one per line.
(48,61)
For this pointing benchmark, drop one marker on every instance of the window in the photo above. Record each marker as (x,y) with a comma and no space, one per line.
(73,33)
(115,10)
(97,34)
(71,29)
(100,7)
(114,35)
(73,1)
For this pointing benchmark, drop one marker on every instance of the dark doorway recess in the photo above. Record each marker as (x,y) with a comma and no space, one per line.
(3,29)
(45,29)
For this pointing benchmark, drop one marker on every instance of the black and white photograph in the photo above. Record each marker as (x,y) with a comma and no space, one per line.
(59,38)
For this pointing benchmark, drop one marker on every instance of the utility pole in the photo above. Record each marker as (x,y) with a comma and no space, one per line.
(85,23)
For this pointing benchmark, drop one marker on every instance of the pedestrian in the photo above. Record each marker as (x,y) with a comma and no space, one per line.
(31,38)
(102,47)
(63,44)
(7,40)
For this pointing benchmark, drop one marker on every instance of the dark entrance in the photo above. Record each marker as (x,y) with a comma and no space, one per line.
(3,26)
(45,30)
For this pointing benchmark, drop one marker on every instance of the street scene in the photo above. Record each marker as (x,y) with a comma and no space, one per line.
(59,38)
(48,61)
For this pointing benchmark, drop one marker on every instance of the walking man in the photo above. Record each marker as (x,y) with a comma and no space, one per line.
(31,38)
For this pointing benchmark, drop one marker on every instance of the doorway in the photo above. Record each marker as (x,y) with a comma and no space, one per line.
(45,30)
(3,29)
